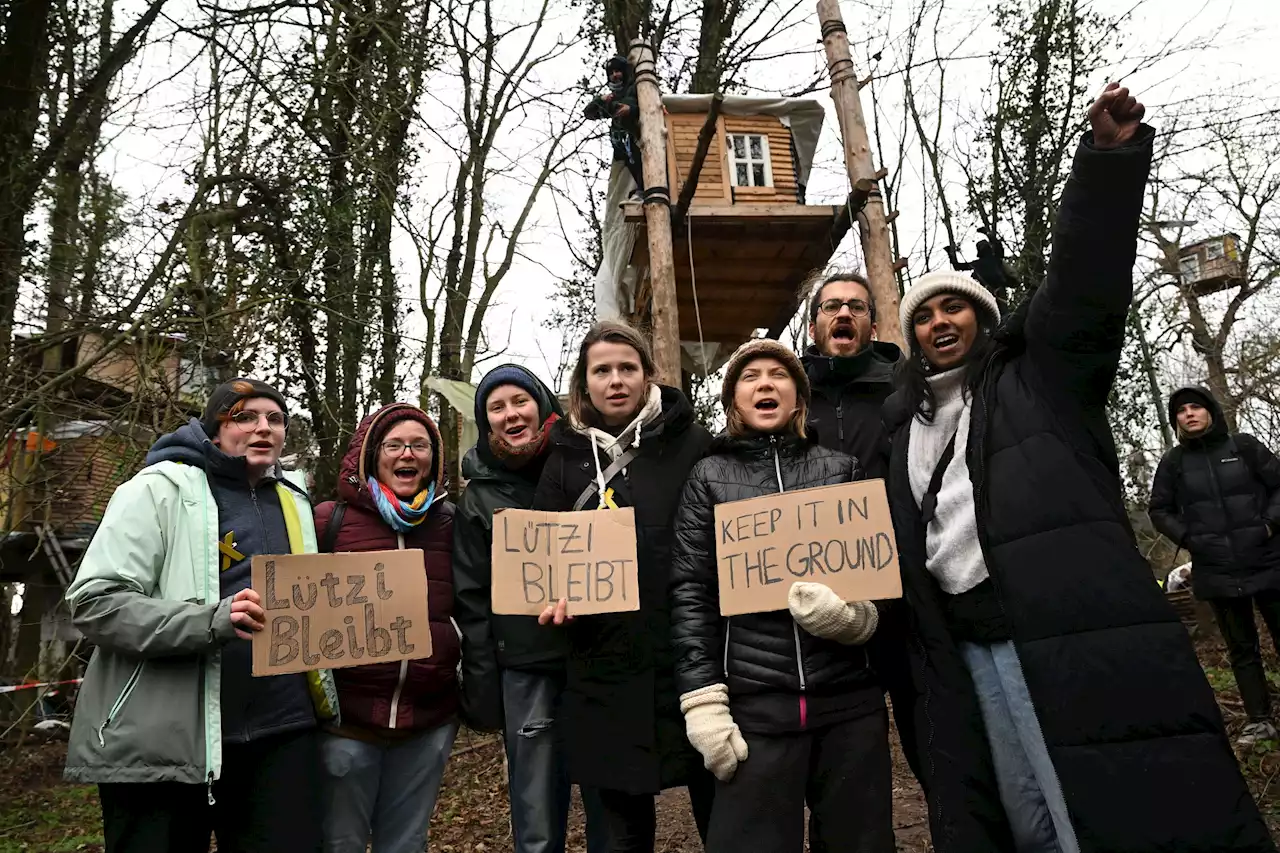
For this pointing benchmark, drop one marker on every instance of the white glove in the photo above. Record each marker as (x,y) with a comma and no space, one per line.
(824,614)
(712,730)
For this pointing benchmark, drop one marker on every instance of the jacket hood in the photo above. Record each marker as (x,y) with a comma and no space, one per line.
(353,475)
(875,364)
(1203,396)
(190,445)
(759,443)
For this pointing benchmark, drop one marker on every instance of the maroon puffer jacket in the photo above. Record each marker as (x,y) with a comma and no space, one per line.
(417,694)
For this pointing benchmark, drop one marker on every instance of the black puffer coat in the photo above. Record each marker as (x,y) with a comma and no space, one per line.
(1131,724)
(1214,495)
(621,717)
(757,653)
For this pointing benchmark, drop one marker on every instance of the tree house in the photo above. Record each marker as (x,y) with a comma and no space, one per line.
(742,236)
(1212,265)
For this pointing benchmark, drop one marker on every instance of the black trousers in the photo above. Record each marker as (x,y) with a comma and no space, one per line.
(632,818)
(267,801)
(1240,631)
(842,771)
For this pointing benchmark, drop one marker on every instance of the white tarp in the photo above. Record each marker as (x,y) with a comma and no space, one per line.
(615,283)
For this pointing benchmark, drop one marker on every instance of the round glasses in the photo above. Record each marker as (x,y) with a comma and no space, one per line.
(857,307)
(247,420)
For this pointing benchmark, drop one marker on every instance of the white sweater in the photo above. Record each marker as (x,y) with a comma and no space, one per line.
(952,552)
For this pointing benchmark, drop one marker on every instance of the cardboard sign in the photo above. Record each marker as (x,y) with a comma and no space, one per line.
(841,536)
(326,611)
(587,557)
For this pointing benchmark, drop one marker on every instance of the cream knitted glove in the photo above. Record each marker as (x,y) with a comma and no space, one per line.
(712,730)
(824,614)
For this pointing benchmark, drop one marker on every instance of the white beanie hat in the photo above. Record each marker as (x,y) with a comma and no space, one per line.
(944,281)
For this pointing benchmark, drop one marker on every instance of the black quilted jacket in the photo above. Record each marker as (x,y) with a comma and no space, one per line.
(759,653)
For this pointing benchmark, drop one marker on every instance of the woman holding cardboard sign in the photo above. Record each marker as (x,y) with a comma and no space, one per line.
(384,764)
(627,442)
(783,706)
(1061,704)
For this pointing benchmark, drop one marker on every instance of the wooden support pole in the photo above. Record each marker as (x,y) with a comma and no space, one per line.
(705,136)
(872,227)
(657,215)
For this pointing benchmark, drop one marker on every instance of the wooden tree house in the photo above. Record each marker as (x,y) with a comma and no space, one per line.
(1212,265)
(743,237)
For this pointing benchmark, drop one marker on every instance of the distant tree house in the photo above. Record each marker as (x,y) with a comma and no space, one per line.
(742,236)
(1212,265)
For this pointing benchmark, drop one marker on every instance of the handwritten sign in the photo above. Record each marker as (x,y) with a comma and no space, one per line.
(588,558)
(326,611)
(841,536)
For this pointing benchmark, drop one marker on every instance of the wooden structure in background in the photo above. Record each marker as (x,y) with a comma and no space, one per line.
(1212,265)
(741,219)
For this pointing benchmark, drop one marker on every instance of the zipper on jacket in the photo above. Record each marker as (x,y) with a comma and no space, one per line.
(795,627)
(120,700)
(212,801)
(728,626)
(840,417)
(404,667)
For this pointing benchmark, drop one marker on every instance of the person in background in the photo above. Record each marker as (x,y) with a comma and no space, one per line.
(621,106)
(384,763)
(627,442)
(783,706)
(1217,495)
(170,723)
(852,374)
(1062,707)
(513,670)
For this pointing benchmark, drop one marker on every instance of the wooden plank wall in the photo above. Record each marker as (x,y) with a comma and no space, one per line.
(713,183)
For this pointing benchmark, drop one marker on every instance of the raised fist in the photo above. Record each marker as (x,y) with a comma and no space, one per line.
(1115,117)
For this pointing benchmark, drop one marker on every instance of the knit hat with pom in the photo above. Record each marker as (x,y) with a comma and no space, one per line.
(762,348)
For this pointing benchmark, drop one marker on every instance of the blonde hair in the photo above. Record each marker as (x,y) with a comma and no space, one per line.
(581,411)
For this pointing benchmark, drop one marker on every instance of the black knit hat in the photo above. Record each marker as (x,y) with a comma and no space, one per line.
(762,348)
(514,374)
(225,396)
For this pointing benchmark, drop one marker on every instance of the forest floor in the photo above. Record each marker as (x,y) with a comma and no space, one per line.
(39,813)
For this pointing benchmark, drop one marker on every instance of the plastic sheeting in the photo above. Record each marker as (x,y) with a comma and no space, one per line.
(615,283)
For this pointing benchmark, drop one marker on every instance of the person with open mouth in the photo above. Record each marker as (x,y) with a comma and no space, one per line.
(182,740)
(627,442)
(1060,704)
(784,706)
(513,670)
(383,764)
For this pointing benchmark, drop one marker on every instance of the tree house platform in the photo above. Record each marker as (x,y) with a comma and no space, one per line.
(743,238)
(1212,265)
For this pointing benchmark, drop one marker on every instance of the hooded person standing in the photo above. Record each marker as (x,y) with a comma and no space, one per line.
(627,442)
(513,669)
(1062,707)
(1218,496)
(170,723)
(784,706)
(384,763)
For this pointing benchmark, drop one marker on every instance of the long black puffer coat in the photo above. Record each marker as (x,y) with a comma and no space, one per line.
(621,719)
(1131,724)
(1214,495)
(756,653)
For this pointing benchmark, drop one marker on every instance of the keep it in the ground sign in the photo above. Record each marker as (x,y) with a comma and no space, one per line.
(841,536)
(326,611)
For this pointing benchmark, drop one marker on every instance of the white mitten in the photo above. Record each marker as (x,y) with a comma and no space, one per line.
(824,614)
(712,730)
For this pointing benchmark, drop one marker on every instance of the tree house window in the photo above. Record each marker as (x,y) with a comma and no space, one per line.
(1214,251)
(749,160)
(1190,267)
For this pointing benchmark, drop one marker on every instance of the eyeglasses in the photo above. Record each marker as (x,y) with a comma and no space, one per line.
(395,448)
(248,420)
(857,307)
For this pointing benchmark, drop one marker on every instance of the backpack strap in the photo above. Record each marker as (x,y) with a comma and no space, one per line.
(929,503)
(331,529)
(609,473)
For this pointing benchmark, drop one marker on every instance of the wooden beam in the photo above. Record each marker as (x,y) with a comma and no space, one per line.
(657,208)
(705,136)
(872,227)
(635,212)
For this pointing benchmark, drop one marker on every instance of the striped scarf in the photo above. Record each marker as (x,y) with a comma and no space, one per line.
(403,517)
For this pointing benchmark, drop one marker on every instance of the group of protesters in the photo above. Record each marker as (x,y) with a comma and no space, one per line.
(1046,696)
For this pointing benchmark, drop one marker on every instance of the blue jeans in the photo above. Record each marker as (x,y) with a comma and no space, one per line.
(537,778)
(384,791)
(1029,788)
